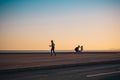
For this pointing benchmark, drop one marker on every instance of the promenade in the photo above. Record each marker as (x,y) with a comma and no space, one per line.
(14,61)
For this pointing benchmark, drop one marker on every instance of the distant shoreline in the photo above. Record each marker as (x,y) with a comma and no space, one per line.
(48,51)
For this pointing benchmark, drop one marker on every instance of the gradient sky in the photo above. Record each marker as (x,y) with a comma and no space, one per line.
(32,24)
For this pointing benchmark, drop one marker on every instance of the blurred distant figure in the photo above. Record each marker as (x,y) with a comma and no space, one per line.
(52,48)
(81,48)
(77,49)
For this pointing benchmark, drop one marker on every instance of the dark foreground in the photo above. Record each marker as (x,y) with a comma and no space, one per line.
(108,71)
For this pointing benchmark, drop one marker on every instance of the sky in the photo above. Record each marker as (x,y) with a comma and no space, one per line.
(32,24)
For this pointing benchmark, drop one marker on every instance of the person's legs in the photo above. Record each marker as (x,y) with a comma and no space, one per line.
(80,52)
(76,51)
(51,52)
(54,51)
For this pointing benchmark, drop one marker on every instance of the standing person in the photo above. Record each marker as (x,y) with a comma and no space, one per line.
(81,49)
(52,48)
(77,49)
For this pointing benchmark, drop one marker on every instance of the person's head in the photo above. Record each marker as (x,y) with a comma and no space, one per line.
(78,46)
(52,41)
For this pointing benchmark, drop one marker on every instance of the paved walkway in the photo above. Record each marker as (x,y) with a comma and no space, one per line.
(13,61)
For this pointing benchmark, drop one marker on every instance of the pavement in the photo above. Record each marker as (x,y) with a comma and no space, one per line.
(16,61)
(64,66)
(99,71)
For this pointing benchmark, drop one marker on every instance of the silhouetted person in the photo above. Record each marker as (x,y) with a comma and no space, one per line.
(52,48)
(81,48)
(77,49)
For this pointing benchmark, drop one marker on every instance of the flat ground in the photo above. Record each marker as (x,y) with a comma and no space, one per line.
(108,71)
(13,61)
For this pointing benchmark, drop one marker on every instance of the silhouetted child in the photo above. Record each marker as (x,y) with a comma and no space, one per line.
(77,49)
(52,48)
(81,49)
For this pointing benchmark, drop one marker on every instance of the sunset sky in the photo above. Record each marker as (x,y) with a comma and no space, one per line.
(32,24)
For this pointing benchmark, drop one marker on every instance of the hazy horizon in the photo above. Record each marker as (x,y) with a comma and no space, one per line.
(57,51)
(32,24)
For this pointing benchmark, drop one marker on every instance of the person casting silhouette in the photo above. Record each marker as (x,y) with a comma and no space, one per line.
(52,48)
(81,49)
(77,49)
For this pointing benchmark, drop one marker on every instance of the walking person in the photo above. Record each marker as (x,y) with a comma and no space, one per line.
(52,48)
